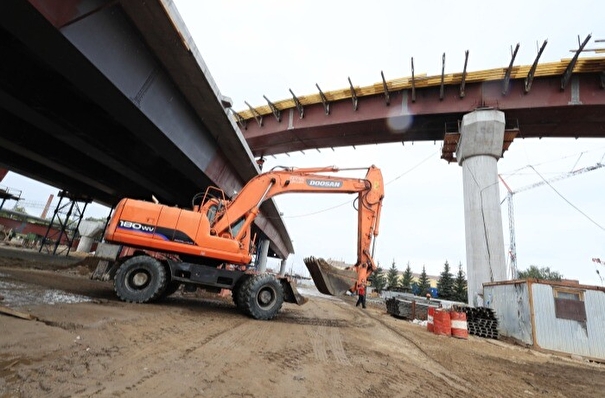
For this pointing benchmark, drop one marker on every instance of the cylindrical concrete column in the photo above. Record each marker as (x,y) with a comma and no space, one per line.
(263,251)
(282,267)
(479,148)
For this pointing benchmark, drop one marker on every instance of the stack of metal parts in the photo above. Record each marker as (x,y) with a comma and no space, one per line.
(481,321)
(409,308)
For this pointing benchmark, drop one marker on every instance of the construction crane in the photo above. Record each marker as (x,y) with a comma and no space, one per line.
(511,218)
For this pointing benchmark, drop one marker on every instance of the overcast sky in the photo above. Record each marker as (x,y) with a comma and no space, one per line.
(256,48)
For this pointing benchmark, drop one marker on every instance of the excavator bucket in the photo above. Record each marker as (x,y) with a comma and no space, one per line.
(329,279)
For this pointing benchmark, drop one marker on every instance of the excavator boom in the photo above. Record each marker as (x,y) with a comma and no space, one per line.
(370,190)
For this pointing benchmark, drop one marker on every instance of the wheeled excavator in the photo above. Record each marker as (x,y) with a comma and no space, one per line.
(211,245)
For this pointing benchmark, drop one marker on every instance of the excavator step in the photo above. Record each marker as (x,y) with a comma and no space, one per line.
(329,279)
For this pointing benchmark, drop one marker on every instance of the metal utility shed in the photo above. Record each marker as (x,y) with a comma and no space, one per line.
(564,317)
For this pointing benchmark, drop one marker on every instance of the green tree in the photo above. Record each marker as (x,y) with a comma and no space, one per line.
(408,278)
(423,283)
(533,272)
(20,209)
(460,286)
(445,285)
(377,279)
(415,288)
(393,277)
(101,219)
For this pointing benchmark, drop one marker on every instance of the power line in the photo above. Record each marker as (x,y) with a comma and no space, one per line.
(432,155)
(568,202)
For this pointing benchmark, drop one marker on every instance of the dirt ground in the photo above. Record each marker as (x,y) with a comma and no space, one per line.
(86,343)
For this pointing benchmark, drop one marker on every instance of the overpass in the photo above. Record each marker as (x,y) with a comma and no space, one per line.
(556,99)
(110,99)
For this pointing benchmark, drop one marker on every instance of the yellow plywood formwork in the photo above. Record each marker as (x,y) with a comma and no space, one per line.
(583,65)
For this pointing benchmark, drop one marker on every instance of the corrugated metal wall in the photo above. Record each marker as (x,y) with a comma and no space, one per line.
(511,303)
(573,337)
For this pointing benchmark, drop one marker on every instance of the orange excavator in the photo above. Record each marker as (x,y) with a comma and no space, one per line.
(211,245)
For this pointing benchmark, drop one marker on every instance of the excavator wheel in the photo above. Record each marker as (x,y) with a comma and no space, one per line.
(171,288)
(140,279)
(236,292)
(261,296)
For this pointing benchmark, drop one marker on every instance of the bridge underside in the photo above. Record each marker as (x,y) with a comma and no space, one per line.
(106,99)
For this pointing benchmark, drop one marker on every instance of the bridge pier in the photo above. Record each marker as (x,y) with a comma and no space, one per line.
(479,148)
(282,267)
(262,253)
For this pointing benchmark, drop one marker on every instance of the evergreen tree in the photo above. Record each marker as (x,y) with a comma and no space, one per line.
(393,277)
(408,278)
(533,272)
(445,285)
(423,283)
(415,288)
(377,279)
(460,286)
(19,209)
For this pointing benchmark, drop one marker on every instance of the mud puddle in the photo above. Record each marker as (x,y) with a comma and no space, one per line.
(18,295)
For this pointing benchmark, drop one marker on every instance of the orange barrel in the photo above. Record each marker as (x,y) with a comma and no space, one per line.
(459,328)
(442,323)
(429,319)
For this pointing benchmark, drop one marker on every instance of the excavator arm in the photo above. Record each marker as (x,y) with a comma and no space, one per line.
(244,208)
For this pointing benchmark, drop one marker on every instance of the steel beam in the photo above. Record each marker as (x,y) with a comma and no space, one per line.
(544,112)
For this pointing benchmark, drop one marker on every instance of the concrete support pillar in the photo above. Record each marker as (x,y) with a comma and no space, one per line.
(282,267)
(88,230)
(85,244)
(479,148)
(263,251)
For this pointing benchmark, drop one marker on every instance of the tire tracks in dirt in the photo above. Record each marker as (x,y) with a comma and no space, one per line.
(430,364)
(326,341)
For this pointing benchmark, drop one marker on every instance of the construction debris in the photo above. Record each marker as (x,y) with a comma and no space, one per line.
(9,311)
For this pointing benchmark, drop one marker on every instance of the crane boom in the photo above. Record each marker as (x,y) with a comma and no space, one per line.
(511,216)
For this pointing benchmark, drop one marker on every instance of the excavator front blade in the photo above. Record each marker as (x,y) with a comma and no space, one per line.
(291,294)
(329,279)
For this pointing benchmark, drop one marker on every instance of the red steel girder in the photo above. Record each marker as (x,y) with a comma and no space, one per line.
(546,111)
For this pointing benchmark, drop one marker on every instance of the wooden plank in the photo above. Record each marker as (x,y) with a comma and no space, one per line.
(9,311)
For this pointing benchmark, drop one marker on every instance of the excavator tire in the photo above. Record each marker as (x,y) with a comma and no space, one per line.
(171,288)
(140,279)
(236,293)
(261,296)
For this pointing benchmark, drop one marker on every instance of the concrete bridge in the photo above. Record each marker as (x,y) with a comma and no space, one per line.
(111,99)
